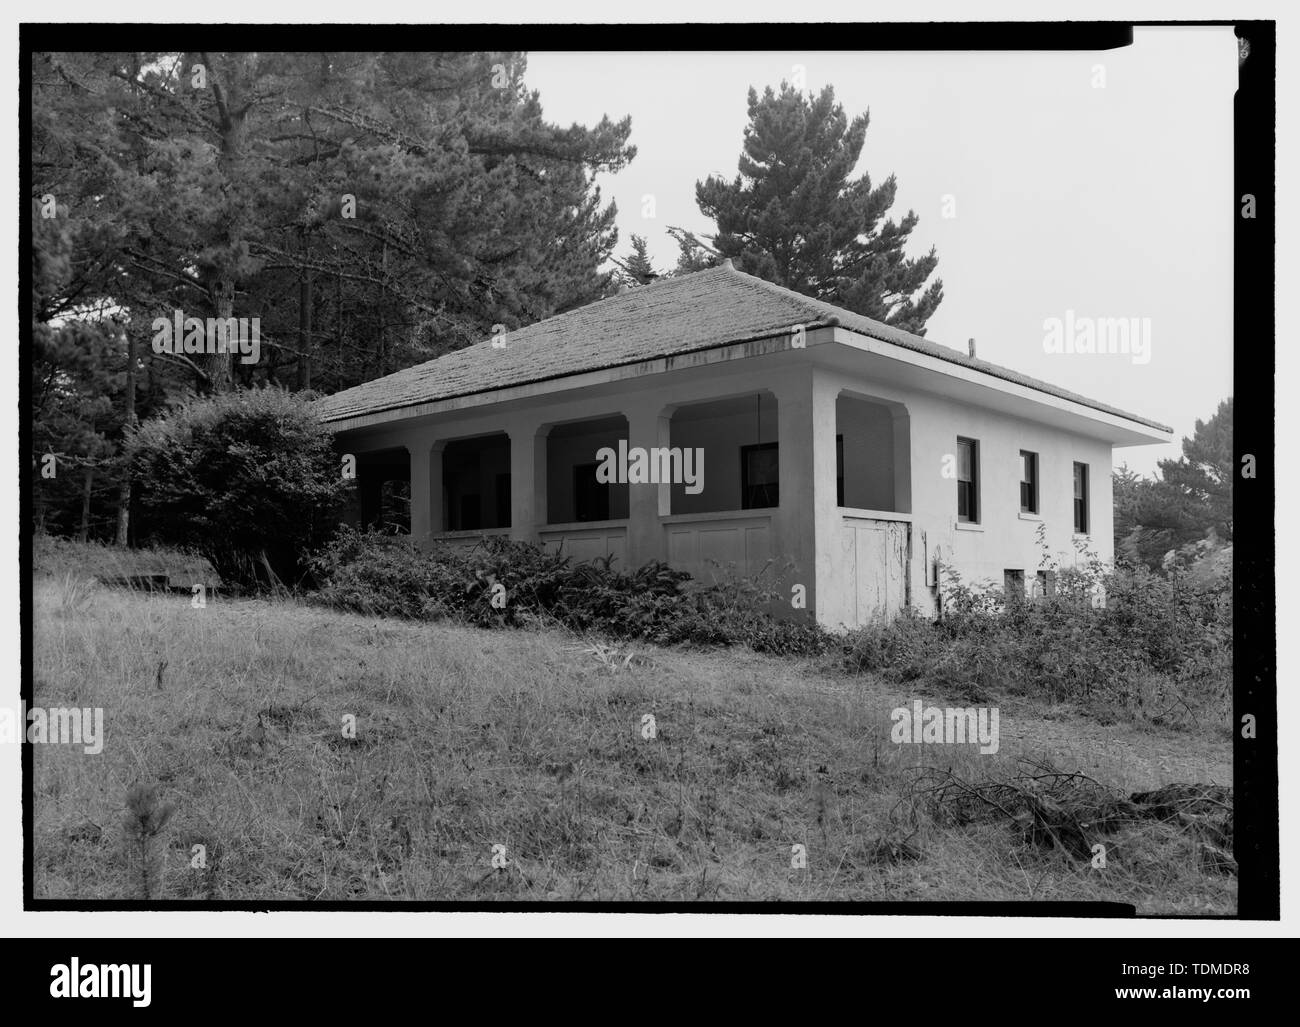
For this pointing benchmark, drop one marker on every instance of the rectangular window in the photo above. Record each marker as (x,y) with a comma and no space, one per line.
(1081,499)
(968,472)
(590,497)
(839,470)
(1046,584)
(1013,584)
(759,476)
(1028,482)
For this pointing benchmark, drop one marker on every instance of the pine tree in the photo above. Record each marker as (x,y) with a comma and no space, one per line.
(371,209)
(215,183)
(1199,484)
(637,269)
(1191,498)
(796,217)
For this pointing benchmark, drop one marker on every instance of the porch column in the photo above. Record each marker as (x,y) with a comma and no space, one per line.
(417,451)
(648,426)
(437,501)
(808,522)
(426,489)
(527,477)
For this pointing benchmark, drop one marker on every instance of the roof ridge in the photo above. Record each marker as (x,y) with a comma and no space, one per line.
(837,311)
(622,295)
(669,279)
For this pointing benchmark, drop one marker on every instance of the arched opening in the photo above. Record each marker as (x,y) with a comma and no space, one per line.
(736,461)
(872,454)
(476,483)
(575,492)
(382,500)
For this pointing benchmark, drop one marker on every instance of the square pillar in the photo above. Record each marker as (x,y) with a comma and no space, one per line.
(648,427)
(419,492)
(437,496)
(808,522)
(426,489)
(527,478)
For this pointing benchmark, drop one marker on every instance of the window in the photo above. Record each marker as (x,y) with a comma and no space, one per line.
(590,497)
(1081,499)
(759,476)
(1013,584)
(1045,584)
(1028,482)
(968,459)
(839,470)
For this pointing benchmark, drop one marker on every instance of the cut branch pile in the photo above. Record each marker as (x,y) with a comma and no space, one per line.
(1069,811)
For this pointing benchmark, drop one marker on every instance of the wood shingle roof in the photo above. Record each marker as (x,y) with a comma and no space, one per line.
(710,308)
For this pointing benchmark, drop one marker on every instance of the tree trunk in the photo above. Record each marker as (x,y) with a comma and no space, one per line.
(124,489)
(84,536)
(228,92)
(304,327)
(217,366)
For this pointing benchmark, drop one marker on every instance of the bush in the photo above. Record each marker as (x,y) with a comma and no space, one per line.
(388,575)
(1158,648)
(906,647)
(248,479)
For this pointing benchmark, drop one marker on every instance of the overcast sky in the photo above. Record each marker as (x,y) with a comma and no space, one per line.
(1112,201)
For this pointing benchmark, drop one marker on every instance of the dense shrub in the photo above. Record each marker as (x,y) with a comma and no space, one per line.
(1158,648)
(906,648)
(388,575)
(248,479)
(1124,642)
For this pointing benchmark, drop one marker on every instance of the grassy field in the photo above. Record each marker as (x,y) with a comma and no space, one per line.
(534,741)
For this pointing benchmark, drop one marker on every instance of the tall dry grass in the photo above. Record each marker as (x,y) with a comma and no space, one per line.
(468,739)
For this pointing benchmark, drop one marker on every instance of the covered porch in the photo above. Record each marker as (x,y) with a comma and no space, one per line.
(790,470)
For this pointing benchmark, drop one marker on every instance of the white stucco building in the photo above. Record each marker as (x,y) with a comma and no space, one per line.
(839,453)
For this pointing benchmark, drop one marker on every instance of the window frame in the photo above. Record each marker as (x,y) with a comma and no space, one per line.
(839,469)
(1081,503)
(1031,482)
(772,490)
(972,516)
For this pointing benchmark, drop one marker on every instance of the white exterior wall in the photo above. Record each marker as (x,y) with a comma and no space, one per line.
(1004,539)
(808,529)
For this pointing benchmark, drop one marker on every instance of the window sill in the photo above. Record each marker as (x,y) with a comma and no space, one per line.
(968,526)
(574,526)
(1030,516)
(1085,536)
(754,513)
(873,515)
(460,533)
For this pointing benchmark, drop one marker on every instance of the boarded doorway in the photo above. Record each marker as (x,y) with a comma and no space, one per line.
(875,556)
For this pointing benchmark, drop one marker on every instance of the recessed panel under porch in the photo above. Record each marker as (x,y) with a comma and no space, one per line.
(712,546)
